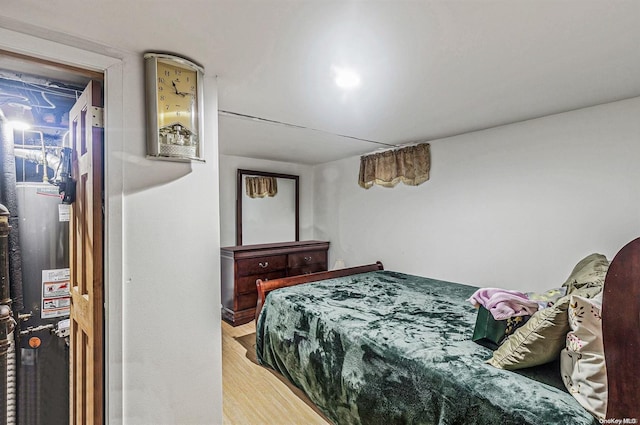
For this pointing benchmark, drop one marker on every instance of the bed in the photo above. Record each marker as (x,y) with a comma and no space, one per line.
(370,346)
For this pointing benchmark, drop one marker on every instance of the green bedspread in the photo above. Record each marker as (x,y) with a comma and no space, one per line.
(390,348)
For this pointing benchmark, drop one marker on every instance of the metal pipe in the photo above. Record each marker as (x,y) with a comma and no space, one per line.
(12,387)
(26,146)
(65,143)
(33,329)
(43,155)
(45,173)
(35,155)
(6,317)
(9,198)
(6,329)
(5,299)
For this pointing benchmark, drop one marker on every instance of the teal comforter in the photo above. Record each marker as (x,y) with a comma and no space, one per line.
(391,348)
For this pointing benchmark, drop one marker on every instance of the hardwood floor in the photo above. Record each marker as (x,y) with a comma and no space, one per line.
(254,395)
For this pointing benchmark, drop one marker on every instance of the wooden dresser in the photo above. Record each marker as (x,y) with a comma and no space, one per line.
(243,265)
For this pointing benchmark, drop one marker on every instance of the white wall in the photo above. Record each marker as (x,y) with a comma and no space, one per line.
(228,167)
(515,206)
(172,341)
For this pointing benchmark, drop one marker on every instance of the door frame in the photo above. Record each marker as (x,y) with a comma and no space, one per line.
(39,43)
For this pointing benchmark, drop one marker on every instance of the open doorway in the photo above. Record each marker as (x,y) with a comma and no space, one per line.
(35,99)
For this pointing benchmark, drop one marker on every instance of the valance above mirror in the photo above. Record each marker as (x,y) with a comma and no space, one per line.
(267,207)
(261,186)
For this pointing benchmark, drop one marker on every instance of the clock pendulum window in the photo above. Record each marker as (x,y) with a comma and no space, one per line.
(175,107)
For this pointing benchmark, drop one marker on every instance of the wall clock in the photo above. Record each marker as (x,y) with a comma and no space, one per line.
(174,107)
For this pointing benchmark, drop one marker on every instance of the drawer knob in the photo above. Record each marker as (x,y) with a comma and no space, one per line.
(264,265)
(307,259)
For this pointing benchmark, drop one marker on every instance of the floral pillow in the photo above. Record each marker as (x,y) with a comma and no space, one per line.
(582,362)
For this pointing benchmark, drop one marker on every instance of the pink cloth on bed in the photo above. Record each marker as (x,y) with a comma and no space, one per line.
(503,303)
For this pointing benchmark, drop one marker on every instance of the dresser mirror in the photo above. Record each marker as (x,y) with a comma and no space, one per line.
(268,210)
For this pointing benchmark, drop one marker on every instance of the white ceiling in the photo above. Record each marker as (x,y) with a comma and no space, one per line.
(429,69)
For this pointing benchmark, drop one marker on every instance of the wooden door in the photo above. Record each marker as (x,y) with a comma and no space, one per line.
(87,335)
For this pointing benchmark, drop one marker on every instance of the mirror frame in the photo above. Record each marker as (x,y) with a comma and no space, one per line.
(239,191)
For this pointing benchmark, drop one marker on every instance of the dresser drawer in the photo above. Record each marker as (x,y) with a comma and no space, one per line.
(311,268)
(301,259)
(261,265)
(248,300)
(248,283)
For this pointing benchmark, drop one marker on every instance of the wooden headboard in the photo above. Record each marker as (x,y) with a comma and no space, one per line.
(266,286)
(621,333)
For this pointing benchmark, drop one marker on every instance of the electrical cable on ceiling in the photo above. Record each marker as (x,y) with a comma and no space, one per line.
(285,124)
(51,105)
(55,90)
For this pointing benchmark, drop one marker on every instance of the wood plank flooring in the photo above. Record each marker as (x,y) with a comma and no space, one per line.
(254,395)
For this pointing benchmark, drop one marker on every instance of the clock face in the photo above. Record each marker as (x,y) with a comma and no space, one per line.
(174,117)
(177,112)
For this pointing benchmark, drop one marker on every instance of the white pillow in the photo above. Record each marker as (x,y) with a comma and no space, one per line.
(582,361)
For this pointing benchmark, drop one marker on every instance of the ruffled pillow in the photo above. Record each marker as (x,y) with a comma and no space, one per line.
(582,362)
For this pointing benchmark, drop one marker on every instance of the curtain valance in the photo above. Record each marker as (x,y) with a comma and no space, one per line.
(260,187)
(409,165)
